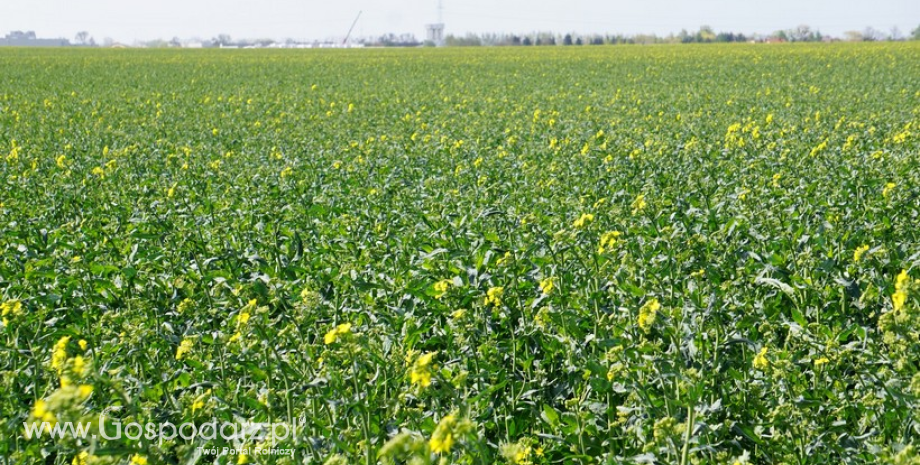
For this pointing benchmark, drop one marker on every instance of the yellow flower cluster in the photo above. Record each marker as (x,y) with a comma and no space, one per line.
(887,190)
(184,348)
(243,318)
(900,286)
(449,429)
(81,458)
(638,204)
(494,296)
(517,453)
(59,354)
(10,308)
(859,252)
(584,219)
(339,331)
(647,314)
(443,437)
(77,368)
(608,240)
(546,285)
(420,373)
(760,360)
(41,412)
(441,288)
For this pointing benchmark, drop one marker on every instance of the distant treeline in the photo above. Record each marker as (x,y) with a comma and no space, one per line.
(704,35)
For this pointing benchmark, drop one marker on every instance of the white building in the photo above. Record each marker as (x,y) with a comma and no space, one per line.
(435,33)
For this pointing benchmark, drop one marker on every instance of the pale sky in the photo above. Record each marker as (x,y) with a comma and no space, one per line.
(131,20)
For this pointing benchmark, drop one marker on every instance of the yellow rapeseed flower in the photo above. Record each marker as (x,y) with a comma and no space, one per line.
(900,296)
(335,333)
(888,188)
(78,365)
(638,204)
(11,308)
(420,373)
(41,412)
(80,459)
(59,354)
(517,453)
(859,252)
(443,437)
(760,360)
(647,314)
(902,280)
(898,299)
(441,287)
(546,285)
(776,178)
(184,348)
(138,459)
(494,296)
(608,240)
(584,219)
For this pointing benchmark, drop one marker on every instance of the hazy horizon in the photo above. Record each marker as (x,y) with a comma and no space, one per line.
(282,19)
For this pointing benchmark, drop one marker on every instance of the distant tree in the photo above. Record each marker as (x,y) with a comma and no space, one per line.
(915,34)
(222,39)
(82,38)
(801,33)
(578,41)
(471,40)
(871,34)
(895,34)
(156,43)
(853,36)
(705,34)
(175,42)
(567,40)
(526,41)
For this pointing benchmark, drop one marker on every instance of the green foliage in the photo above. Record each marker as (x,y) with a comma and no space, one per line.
(530,256)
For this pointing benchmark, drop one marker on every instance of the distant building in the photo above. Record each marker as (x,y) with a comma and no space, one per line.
(434,33)
(28,39)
